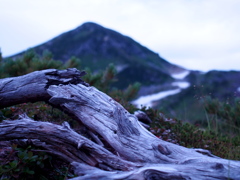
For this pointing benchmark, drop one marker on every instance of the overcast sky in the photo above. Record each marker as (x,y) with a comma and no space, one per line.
(196,34)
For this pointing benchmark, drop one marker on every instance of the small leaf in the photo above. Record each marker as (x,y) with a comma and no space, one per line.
(30,172)
(45,157)
(30,154)
(13,164)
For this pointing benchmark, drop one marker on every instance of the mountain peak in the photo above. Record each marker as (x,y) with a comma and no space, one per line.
(98,46)
(89,26)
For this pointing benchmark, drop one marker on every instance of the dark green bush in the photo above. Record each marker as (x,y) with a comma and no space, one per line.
(223,117)
(31,163)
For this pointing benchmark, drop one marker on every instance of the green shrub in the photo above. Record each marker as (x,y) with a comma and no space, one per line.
(30,163)
(31,61)
(223,117)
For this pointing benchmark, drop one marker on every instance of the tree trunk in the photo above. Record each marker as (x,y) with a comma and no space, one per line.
(121,148)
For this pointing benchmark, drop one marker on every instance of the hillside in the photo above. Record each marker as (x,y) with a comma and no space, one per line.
(189,104)
(97,47)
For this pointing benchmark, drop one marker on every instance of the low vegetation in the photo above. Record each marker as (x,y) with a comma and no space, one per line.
(220,132)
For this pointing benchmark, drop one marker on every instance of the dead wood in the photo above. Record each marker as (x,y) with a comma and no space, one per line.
(120,148)
(32,87)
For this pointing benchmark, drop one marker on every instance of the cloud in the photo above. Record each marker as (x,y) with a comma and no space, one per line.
(182,31)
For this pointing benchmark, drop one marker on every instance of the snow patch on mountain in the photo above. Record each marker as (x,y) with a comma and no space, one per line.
(148,100)
(120,68)
(181,75)
(181,85)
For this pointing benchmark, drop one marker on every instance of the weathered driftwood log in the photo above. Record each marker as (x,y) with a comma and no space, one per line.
(32,87)
(122,146)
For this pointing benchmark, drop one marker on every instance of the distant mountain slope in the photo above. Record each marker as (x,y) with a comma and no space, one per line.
(189,103)
(97,46)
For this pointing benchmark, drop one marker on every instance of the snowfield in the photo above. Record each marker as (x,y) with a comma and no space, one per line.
(149,99)
(181,85)
(180,75)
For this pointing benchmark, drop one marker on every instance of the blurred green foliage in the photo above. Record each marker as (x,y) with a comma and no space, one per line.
(31,61)
(31,163)
(223,117)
